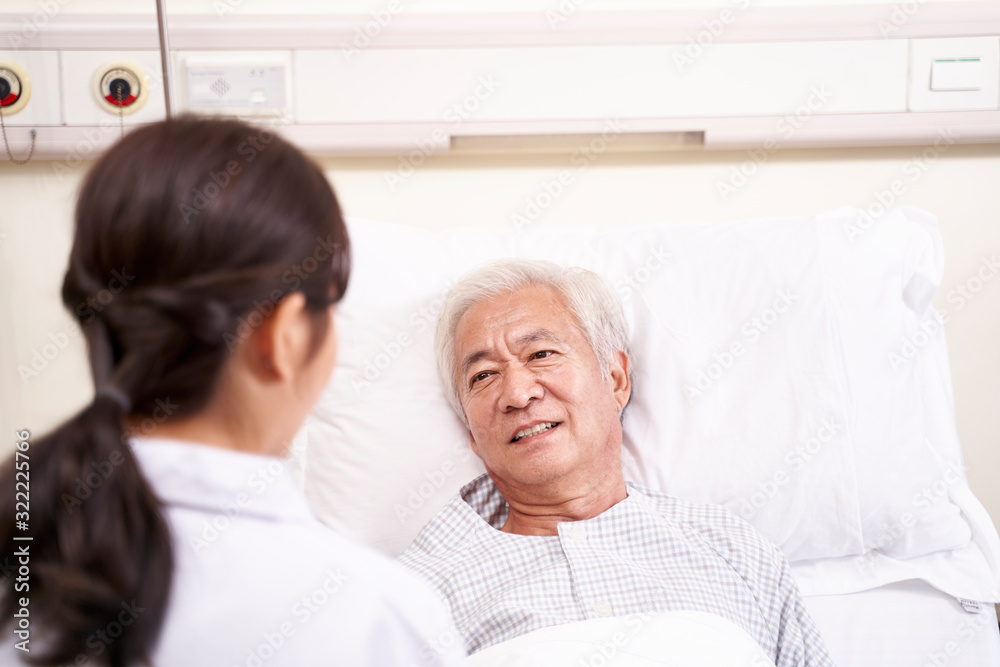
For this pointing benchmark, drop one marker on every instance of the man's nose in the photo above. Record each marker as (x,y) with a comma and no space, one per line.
(520,386)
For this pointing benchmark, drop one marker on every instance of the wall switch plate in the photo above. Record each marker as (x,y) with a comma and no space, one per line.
(954,74)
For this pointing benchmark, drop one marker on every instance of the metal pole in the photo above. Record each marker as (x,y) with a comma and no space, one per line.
(161,16)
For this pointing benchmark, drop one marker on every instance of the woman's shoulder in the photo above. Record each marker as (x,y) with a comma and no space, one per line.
(302,586)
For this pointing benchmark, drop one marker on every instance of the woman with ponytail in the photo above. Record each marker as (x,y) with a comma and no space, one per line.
(206,262)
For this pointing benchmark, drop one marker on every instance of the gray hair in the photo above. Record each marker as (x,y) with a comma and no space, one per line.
(598,311)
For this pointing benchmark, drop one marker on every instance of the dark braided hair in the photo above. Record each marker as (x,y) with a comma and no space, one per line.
(187,232)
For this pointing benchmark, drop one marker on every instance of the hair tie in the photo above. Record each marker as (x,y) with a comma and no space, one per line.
(116,395)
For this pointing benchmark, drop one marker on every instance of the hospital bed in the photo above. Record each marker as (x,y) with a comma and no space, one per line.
(791,369)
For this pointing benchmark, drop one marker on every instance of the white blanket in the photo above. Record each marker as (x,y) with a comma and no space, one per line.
(673,639)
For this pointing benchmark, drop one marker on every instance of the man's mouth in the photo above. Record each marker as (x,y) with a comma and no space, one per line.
(534,430)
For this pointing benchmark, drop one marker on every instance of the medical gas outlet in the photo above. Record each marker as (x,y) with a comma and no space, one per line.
(121,87)
(15,88)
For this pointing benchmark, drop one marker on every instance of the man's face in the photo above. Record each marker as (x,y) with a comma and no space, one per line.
(523,365)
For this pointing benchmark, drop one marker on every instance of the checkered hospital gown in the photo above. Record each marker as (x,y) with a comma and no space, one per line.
(649,553)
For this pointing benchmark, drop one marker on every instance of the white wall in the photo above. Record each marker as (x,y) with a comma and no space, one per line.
(961,186)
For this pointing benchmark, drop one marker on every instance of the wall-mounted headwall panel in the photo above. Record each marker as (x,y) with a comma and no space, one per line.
(593,83)
(840,75)
(81,106)
(44,105)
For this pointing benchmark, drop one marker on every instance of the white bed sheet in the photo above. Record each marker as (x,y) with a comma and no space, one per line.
(905,624)
(666,639)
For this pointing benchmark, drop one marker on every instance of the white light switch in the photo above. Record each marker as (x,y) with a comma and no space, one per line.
(954,74)
(957,74)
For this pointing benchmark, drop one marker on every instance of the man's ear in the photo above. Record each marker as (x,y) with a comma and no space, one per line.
(620,382)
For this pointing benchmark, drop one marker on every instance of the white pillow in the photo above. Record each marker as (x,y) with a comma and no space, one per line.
(766,379)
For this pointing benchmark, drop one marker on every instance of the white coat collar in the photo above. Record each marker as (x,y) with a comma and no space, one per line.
(202,477)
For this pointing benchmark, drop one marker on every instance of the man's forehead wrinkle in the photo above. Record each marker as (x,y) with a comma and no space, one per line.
(506,325)
(500,317)
(539,334)
(489,331)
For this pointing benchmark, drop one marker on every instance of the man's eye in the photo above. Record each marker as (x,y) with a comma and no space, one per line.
(542,354)
(479,376)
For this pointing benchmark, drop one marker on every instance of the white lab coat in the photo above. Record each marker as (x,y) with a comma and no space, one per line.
(259,582)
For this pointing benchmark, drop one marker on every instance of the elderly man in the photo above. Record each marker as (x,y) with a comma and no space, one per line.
(535,361)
